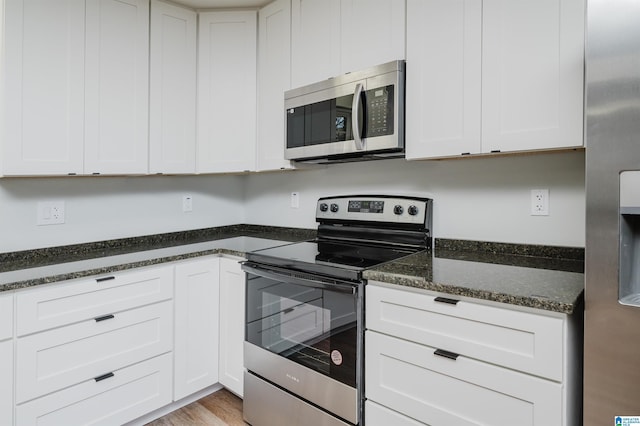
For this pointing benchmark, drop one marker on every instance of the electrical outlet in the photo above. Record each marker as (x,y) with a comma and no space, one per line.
(187,203)
(295,200)
(539,202)
(50,213)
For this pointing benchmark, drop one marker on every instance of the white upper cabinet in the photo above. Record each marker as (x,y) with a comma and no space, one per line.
(117,86)
(226,129)
(372,33)
(444,42)
(315,40)
(532,74)
(274,78)
(44,87)
(494,75)
(332,37)
(172,82)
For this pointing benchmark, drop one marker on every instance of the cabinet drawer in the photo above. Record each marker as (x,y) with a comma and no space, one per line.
(55,359)
(6,383)
(53,306)
(411,379)
(376,414)
(519,340)
(130,393)
(6,315)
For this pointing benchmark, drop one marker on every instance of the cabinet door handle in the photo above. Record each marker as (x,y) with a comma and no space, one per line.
(106,317)
(103,377)
(105,279)
(447,300)
(446,354)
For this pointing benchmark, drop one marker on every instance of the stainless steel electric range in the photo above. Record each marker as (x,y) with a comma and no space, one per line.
(305,312)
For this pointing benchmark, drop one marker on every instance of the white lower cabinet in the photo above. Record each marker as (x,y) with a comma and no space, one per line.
(378,415)
(414,380)
(93,350)
(53,360)
(232,308)
(130,393)
(111,349)
(196,325)
(437,360)
(6,358)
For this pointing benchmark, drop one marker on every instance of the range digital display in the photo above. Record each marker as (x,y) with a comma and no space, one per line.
(363,206)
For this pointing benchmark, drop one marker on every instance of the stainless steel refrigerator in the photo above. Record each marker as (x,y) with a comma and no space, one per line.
(612,270)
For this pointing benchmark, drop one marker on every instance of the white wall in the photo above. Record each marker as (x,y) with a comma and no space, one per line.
(484,199)
(103,208)
(478,199)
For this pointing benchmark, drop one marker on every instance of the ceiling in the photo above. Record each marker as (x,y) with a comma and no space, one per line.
(218,4)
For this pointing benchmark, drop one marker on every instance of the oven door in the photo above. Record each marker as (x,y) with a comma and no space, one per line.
(303,333)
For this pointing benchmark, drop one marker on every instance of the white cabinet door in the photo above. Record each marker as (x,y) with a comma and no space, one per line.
(172,97)
(117,86)
(274,78)
(196,326)
(333,37)
(127,394)
(532,74)
(6,382)
(372,33)
(44,87)
(232,292)
(226,91)
(62,357)
(6,357)
(460,391)
(315,41)
(444,74)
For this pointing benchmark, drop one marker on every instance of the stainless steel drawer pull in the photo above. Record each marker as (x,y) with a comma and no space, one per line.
(106,317)
(105,279)
(447,300)
(446,354)
(103,377)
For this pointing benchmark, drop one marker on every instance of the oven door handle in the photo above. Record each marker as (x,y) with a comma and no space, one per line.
(267,273)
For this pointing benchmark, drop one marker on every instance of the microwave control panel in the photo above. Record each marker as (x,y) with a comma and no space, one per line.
(379,112)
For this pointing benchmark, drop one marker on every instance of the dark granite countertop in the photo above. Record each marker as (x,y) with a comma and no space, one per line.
(554,282)
(542,277)
(36,267)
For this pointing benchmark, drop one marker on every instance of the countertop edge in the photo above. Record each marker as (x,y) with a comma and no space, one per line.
(541,303)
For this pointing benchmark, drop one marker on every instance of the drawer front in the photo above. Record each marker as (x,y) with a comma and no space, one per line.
(6,315)
(61,304)
(519,340)
(55,359)
(411,379)
(130,393)
(377,415)
(6,382)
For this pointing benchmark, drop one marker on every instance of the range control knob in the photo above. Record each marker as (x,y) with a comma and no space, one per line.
(412,210)
(334,208)
(324,207)
(398,209)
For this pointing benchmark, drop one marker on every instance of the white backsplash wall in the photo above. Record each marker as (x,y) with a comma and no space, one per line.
(485,199)
(103,208)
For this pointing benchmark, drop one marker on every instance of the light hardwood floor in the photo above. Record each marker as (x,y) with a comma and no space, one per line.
(221,408)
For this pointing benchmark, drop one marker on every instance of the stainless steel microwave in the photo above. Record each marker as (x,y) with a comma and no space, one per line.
(356,116)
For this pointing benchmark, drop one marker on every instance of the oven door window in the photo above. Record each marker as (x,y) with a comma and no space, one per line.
(313,327)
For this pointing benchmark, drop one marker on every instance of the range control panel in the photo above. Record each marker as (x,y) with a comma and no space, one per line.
(394,209)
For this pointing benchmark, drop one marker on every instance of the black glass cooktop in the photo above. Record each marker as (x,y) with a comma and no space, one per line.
(343,260)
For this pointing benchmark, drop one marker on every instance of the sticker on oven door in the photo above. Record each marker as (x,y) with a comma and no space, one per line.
(336,357)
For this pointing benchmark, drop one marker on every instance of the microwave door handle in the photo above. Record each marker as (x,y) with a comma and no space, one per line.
(355,112)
